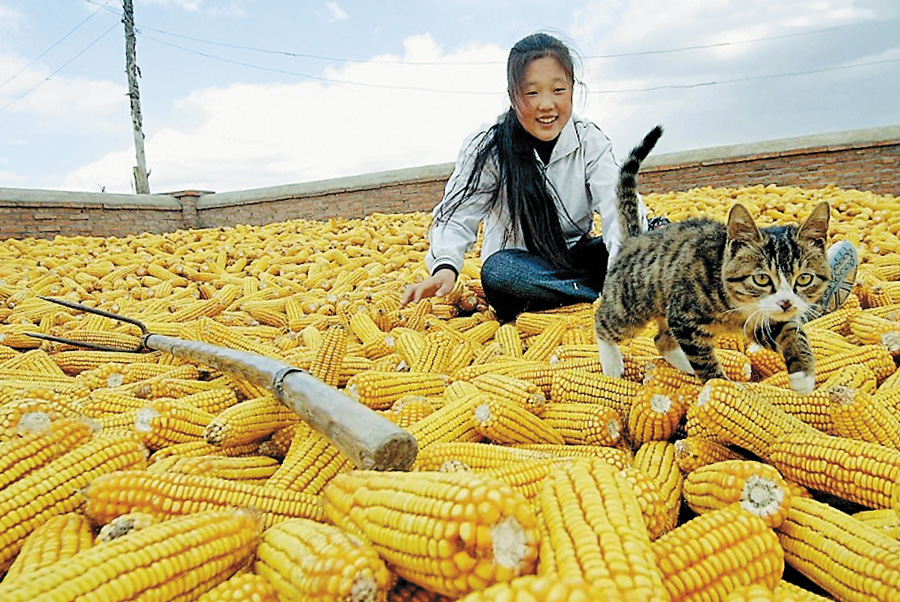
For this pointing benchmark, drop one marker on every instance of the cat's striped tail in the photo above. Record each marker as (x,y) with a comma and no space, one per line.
(626,190)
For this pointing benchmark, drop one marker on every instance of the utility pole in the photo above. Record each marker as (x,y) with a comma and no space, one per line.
(141,175)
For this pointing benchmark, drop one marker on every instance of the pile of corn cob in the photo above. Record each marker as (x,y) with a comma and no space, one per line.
(537,478)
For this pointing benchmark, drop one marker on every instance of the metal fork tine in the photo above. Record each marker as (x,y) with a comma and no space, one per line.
(99,312)
(95,346)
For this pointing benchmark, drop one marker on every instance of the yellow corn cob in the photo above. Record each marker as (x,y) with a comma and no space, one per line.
(247,469)
(617,456)
(168,494)
(213,400)
(534,587)
(495,365)
(477,456)
(57,488)
(59,538)
(194,449)
(750,422)
(434,355)
(857,415)
(408,343)
(584,424)
(885,520)
(111,401)
(376,343)
(660,372)
(310,463)
(314,561)
(521,392)
(654,414)
(242,586)
(786,591)
(836,321)
(595,528)
(502,421)
(454,421)
(856,471)
(857,376)
(706,557)
(542,345)
(74,362)
(211,547)
(210,331)
(409,409)
(871,329)
(650,500)
(451,532)
(813,409)
(165,421)
(541,373)
(846,557)
(329,358)
(119,341)
(36,360)
(758,488)
(581,386)
(125,524)
(657,459)
(510,341)
(249,421)
(23,455)
(378,389)
(276,446)
(875,357)
(693,452)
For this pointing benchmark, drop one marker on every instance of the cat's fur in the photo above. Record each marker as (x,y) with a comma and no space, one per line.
(698,278)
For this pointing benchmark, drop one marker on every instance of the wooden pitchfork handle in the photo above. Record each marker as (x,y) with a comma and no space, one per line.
(368,439)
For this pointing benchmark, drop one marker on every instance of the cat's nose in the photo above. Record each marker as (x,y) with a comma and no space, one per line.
(784,304)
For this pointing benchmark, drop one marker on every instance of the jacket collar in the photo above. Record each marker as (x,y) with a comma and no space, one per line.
(567,142)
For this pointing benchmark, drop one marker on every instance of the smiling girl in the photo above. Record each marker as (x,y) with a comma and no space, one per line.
(534,179)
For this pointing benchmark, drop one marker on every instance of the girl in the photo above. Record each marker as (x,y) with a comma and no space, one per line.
(534,179)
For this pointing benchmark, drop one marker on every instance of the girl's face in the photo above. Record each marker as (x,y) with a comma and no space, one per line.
(544,102)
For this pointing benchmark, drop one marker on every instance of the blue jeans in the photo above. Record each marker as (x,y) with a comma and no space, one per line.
(515,281)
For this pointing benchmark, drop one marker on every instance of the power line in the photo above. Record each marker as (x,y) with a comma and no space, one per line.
(457,63)
(52,46)
(482,93)
(745,79)
(58,69)
(334,59)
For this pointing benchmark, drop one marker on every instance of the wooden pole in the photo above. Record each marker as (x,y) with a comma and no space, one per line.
(141,175)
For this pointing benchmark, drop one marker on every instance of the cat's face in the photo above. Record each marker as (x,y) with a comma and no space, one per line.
(775,273)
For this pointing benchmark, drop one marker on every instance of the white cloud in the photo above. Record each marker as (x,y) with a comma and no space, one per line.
(257,135)
(335,12)
(33,92)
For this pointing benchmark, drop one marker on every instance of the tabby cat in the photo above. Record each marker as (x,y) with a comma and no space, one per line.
(698,278)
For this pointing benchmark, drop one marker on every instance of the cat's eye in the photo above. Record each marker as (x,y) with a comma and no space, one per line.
(761,280)
(804,279)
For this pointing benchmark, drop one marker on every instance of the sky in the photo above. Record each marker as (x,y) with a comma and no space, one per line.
(243,94)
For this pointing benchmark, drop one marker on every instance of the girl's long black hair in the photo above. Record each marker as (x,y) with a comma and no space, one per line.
(530,199)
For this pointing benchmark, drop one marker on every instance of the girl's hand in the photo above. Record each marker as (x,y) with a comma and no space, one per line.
(437,285)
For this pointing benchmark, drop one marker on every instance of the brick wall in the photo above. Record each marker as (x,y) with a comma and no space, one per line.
(864,160)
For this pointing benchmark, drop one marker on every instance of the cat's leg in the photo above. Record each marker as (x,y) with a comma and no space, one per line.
(610,329)
(670,350)
(791,341)
(610,358)
(697,345)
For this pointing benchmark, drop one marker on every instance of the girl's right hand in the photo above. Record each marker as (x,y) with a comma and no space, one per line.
(436,285)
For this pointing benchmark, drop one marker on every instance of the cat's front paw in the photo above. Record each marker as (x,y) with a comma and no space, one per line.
(610,359)
(802,382)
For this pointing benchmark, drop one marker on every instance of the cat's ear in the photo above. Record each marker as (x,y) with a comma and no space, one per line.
(741,227)
(815,228)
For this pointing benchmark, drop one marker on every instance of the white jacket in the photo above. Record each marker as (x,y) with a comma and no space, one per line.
(583,173)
